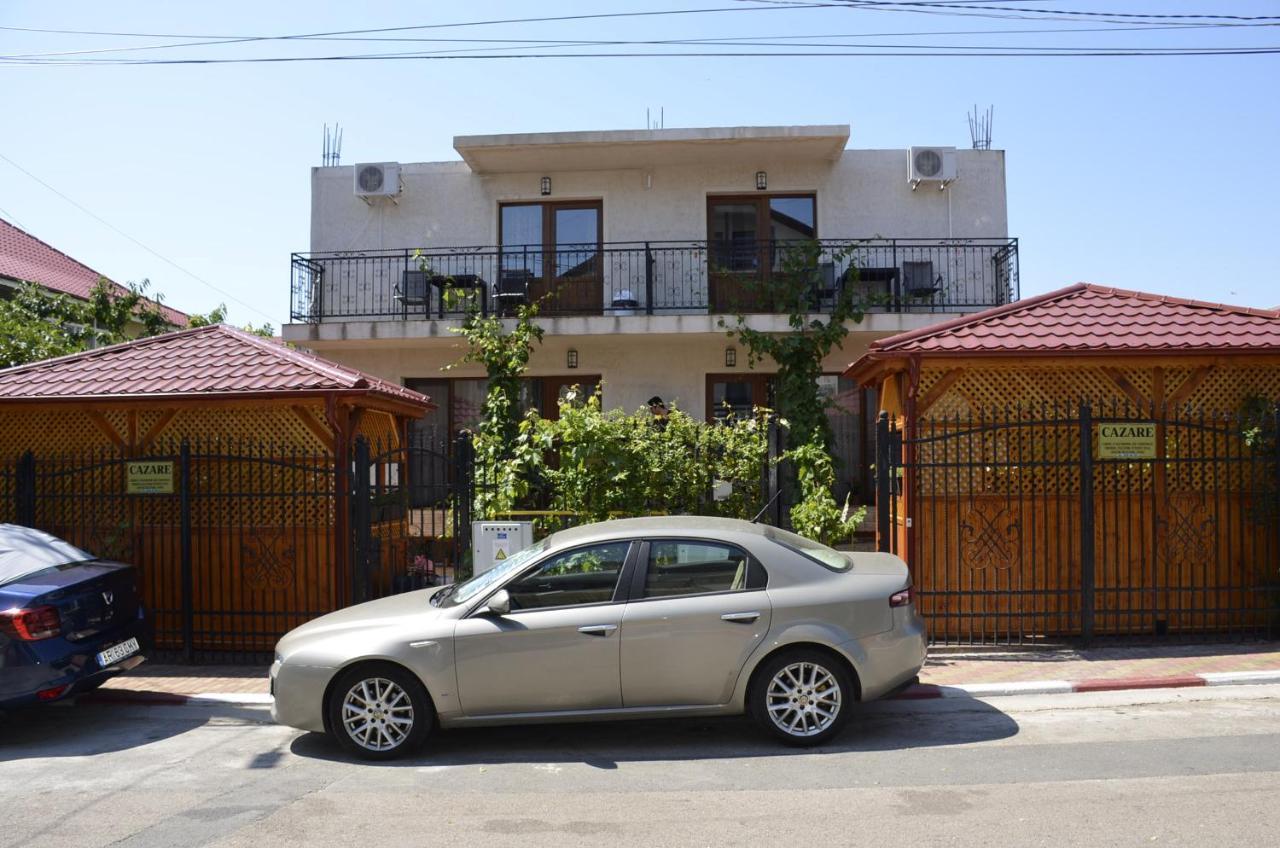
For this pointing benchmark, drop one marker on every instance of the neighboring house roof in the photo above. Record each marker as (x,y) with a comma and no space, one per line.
(215,362)
(1088,319)
(25,258)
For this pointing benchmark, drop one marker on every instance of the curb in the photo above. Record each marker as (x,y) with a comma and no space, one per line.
(922,691)
(919,691)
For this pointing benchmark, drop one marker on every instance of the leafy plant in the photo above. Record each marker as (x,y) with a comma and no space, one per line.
(503,453)
(799,352)
(38,324)
(816,515)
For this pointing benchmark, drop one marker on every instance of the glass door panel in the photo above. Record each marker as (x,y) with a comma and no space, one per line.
(522,238)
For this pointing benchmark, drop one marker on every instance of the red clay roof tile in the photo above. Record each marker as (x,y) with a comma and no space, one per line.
(210,361)
(1087,318)
(28,259)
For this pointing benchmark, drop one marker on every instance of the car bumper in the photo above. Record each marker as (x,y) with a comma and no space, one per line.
(895,657)
(297,695)
(65,669)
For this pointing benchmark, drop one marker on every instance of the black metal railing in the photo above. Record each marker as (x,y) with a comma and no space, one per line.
(651,278)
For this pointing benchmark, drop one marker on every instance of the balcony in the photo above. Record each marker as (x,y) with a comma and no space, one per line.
(651,278)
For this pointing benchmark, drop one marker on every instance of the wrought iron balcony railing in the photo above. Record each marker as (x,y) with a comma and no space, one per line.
(651,278)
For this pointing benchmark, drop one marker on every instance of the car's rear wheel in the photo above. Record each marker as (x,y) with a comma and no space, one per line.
(802,697)
(379,711)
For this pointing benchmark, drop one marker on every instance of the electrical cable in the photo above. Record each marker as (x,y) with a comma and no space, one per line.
(148,249)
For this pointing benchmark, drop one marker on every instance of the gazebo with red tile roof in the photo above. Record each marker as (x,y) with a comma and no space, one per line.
(994,425)
(259,447)
(181,385)
(26,259)
(1081,342)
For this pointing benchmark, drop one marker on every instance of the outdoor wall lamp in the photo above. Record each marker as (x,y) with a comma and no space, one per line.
(762,180)
(571,359)
(546,186)
(730,357)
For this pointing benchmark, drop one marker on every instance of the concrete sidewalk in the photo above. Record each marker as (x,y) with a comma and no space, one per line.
(964,673)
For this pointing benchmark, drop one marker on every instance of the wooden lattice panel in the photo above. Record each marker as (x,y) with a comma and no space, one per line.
(48,433)
(1225,389)
(273,425)
(379,428)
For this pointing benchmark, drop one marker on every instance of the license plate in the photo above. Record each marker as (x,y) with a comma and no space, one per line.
(118,652)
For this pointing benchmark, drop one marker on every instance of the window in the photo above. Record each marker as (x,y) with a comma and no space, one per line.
(582,576)
(694,568)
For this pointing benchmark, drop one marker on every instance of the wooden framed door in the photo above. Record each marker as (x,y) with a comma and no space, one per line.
(555,388)
(737,394)
(557,247)
(743,232)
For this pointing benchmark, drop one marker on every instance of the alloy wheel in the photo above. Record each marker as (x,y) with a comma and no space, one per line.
(377,714)
(803,699)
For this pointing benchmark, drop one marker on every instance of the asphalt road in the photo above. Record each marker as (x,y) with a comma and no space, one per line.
(1176,767)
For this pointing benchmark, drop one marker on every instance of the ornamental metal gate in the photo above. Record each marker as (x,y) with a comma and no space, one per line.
(237,543)
(1048,524)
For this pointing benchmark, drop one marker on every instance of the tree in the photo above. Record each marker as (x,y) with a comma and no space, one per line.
(503,347)
(798,355)
(799,352)
(218,315)
(38,324)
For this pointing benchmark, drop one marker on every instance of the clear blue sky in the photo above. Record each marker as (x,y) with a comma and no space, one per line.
(1155,173)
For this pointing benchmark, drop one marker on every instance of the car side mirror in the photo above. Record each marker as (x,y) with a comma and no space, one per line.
(499,603)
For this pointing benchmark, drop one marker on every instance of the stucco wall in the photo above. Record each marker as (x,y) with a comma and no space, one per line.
(672,366)
(864,193)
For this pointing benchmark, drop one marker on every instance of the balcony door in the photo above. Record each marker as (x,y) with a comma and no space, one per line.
(743,232)
(553,249)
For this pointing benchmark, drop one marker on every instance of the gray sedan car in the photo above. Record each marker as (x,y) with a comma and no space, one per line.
(645,617)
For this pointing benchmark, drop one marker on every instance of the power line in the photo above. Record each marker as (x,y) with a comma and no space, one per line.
(944,4)
(918,52)
(150,250)
(524,42)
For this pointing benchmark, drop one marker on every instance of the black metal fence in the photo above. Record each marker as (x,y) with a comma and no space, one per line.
(1039,525)
(236,543)
(653,278)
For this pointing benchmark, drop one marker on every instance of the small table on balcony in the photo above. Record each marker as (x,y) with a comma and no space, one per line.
(415,289)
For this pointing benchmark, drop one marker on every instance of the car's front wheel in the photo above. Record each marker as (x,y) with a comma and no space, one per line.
(802,697)
(379,711)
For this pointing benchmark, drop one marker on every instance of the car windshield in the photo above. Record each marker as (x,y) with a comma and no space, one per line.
(816,551)
(468,590)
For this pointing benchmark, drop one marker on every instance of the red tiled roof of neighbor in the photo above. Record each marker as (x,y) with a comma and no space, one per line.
(28,259)
(210,362)
(1091,319)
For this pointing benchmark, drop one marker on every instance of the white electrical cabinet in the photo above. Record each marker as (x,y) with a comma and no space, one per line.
(494,541)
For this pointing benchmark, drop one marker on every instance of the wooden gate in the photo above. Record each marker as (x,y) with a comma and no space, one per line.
(1049,523)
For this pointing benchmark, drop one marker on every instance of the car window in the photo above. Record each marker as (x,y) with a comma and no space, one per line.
(467,590)
(694,568)
(816,551)
(581,576)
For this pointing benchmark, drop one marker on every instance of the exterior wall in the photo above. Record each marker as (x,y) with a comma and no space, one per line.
(863,194)
(674,366)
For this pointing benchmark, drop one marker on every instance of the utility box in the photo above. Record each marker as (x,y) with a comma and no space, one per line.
(494,541)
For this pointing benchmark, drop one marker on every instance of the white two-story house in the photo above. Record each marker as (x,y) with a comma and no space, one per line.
(637,243)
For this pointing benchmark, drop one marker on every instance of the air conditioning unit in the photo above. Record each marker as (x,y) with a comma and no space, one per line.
(931,164)
(377,179)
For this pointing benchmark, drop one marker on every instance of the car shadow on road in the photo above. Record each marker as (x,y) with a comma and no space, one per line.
(879,727)
(73,731)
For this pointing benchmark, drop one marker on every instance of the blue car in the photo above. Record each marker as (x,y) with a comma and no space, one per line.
(68,621)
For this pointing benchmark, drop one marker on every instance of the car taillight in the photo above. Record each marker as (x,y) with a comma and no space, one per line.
(31,625)
(901,599)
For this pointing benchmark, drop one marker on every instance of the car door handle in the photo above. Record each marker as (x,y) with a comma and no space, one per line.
(598,629)
(743,617)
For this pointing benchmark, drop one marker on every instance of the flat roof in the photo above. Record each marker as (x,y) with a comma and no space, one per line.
(595,150)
